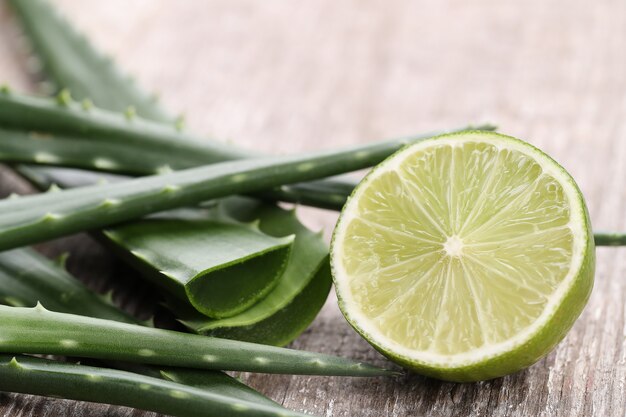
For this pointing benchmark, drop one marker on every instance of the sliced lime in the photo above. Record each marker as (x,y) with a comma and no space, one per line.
(464,257)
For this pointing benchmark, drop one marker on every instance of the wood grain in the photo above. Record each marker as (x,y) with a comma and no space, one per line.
(290,76)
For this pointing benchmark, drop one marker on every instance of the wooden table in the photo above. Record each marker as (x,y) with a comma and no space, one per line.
(287,76)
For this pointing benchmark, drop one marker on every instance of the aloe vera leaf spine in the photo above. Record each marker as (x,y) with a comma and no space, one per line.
(78,336)
(32,219)
(87,383)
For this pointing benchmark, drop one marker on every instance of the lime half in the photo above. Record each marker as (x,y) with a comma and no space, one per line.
(464,257)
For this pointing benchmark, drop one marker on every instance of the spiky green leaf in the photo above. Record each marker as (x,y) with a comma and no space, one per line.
(87,383)
(79,336)
(241,268)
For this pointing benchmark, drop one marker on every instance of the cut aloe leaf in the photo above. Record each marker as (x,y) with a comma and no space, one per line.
(285,318)
(241,268)
(88,383)
(302,290)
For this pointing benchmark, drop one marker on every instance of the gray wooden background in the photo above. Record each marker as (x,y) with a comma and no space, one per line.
(289,76)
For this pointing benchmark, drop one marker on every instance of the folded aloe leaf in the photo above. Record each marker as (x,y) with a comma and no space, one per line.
(88,383)
(286,311)
(241,268)
(35,218)
(70,61)
(26,278)
(79,336)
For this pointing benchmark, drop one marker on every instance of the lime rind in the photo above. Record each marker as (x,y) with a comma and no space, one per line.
(527,346)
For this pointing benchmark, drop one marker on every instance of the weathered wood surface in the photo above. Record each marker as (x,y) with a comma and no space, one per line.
(290,76)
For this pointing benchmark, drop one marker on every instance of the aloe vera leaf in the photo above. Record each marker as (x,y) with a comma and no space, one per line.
(286,318)
(26,278)
(87,383)
(35,218)
(329,194)
(332,195)
(79,336)
(216,382)
(72,121)
(44,131)
(67,134)
(71,62)
(241,268)
(291,306)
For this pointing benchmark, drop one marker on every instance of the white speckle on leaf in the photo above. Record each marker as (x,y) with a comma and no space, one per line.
(240,407)
(44,157)
(238,177)
(164,169)
(171,188)
(110,202)
(306,166)
(68,343)
(104,163)
(146,352)
(178,394)
(209,358)
(51,216)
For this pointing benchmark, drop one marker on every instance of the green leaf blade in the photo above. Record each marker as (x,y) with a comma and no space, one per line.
(301,291)
(87,383)
(241,268)
(78,336)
